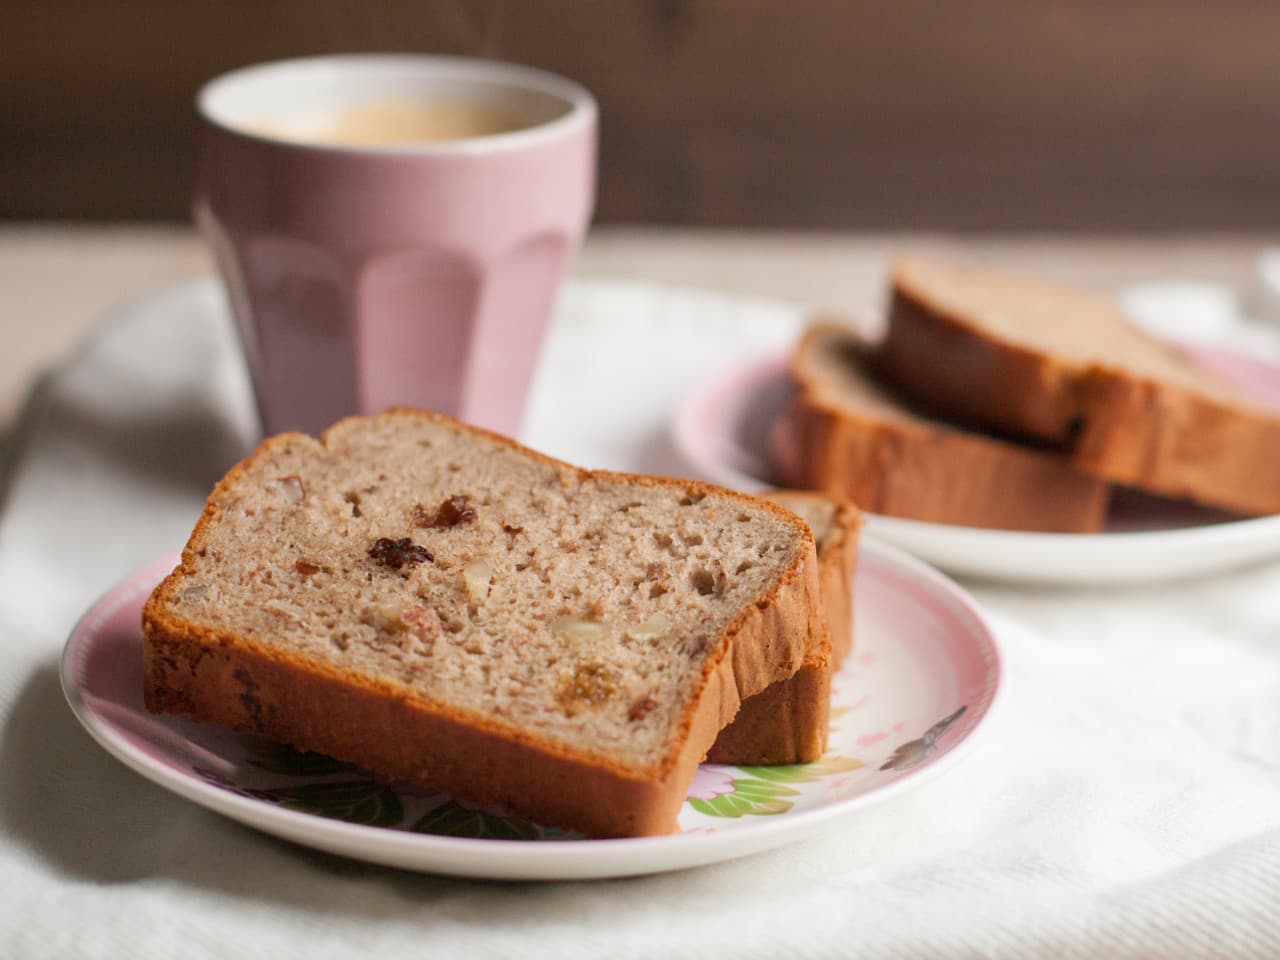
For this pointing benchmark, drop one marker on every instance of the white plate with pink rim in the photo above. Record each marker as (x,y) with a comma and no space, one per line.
(907,705)
(723,430)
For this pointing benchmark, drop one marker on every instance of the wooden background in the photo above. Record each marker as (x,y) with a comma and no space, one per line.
(982,114)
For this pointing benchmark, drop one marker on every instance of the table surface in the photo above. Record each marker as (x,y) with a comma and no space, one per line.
(1124,804)
(57,282)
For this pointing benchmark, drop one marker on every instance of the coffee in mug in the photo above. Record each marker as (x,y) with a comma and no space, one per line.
(393,121)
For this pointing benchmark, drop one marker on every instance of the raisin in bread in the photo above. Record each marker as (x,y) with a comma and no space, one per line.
(1064,368)
(439,604)
(851,435)
(788,722)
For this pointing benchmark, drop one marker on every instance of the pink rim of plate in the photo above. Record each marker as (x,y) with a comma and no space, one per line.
(114,717)
(704,433)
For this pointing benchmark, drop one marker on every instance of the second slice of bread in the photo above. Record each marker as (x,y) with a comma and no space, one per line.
(440,604)
(788,722)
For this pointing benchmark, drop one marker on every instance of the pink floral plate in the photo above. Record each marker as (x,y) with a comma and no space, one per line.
(723,430)
(920,684)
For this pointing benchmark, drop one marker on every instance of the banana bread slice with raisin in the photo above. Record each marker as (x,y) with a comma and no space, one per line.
(440,604)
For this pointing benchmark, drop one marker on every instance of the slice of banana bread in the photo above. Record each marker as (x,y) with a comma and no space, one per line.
(836,525)
(437,603)
(1065,368)
(788,722)
(849,434)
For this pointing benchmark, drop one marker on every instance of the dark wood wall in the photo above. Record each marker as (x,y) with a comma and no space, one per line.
(1004,114)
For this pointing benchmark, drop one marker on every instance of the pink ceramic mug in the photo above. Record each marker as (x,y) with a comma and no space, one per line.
(367,270)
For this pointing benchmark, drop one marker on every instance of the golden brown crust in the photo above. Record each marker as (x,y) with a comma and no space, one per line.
(222,678)
(1175,442)
(1161,436)
(785,723)
(950,371)
(837,563)
(923,470)
(788,722)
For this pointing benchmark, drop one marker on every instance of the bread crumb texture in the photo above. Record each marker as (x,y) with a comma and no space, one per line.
(581,607)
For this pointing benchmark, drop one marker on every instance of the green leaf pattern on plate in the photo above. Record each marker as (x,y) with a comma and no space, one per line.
(749,796)
(355,801)
(277,758)
(452,819)
(765,791)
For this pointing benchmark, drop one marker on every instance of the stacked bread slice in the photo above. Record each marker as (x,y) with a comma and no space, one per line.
(999,401)
(788,721)
(440,604)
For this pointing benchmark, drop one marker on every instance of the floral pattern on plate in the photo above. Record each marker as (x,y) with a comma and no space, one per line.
(923,661)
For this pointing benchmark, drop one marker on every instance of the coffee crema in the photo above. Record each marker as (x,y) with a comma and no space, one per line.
(391,121)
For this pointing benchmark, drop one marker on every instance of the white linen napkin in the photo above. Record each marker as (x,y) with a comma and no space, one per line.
(1125,802)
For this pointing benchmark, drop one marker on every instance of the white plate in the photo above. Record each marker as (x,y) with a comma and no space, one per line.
(722,430)
(919,686)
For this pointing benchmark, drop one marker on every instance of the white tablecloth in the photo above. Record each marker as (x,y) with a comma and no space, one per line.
(1126,802)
